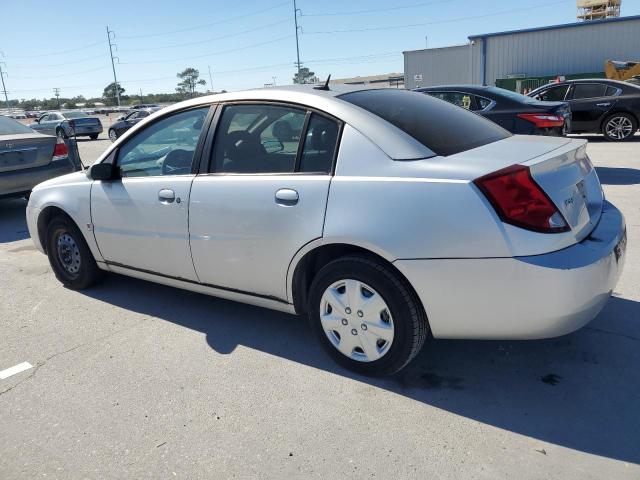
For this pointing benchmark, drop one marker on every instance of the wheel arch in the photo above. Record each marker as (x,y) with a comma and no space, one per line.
(46,215)
(316,255)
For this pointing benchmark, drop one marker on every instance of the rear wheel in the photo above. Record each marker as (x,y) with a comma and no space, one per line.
(69,255)
(619,127)
(113,136)
(93,136)
(366,316)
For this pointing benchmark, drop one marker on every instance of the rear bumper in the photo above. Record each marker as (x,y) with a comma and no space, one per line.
(21,181)
(532,297)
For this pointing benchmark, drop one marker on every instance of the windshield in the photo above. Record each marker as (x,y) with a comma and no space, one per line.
(518,97)
(73,115)
(439,125)
(8,126)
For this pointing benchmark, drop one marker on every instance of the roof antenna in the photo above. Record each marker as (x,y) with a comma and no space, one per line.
(325,86)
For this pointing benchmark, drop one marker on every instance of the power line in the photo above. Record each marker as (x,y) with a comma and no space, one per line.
(58,52)
(231,19)
(57,64)
(437,22)
(179,59)
(235,34)
(70,74)
(375,10)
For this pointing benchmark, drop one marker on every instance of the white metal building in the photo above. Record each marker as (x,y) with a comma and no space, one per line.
(571,50)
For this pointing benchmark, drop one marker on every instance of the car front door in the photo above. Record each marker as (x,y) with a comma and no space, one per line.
(140,219)
(41,124)
(264,196)
(589,105)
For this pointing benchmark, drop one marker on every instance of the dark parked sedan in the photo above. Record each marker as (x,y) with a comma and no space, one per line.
(517,113)
(125,123)
(602,106)
(68,124)
(28,158)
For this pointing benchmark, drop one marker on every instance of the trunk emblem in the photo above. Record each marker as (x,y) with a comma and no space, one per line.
(9,145)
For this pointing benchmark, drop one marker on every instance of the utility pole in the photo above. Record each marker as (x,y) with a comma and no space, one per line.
(113,65)
(4,88)
(210,79)
(295,19)
(274,81)
(141,102)
(56,92)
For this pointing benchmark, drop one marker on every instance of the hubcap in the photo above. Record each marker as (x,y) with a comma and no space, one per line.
(619,128)
(364,336)
(69,254)
(112,136)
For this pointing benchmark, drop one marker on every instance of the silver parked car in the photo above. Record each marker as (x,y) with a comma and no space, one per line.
(384,215)
(28,158)
(68,124)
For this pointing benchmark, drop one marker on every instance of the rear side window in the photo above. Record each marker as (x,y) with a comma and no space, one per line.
(588,90)
(438,125)
(611,91)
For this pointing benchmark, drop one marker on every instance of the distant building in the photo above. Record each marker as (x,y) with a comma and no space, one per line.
(524,59)
(395,80)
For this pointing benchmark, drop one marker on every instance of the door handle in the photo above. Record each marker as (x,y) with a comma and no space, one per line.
(606,104)
(287,197)
(166,196)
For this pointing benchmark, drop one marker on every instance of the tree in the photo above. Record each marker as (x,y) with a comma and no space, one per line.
(190,79)
(305,76)
(110,93)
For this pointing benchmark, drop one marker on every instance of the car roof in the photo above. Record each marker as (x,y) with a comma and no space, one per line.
(396,143)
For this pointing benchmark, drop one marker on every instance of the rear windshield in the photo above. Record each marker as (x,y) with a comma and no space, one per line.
(9,126)
(74,114)
(440,126)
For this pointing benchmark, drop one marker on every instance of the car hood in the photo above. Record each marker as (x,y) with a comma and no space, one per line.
(69,179)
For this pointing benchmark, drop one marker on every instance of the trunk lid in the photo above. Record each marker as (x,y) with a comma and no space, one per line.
(560,166)
(25,150)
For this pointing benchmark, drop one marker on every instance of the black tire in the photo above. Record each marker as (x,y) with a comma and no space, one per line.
(87,273)
(410,323)
(625,118)
(93,136)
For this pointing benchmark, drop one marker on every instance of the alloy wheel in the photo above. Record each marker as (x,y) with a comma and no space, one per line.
(112,135)
(619,128)
(356,320)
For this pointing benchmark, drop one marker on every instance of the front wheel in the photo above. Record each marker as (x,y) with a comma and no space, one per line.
(366,316)
(619,127)
(113,136)
(69,255)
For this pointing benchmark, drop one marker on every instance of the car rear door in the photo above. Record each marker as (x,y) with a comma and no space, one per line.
(140,219)
(589,105)
(263,195)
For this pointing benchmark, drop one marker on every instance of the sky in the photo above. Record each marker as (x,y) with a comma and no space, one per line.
(246,44)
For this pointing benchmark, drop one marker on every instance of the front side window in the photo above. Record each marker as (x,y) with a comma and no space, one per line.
(441,127)
(588,90)
(554,94)
(165,147)
(258,139)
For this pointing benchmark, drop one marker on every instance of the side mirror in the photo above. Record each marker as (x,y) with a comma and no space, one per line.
(101,171)
(37,120)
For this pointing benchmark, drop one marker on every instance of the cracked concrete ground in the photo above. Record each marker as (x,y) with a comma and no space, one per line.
(136,380)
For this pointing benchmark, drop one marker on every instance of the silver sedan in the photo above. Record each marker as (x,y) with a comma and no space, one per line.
(384,216)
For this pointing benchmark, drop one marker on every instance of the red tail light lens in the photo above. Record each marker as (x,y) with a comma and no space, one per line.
(543,120)
(519,200)
(60,151)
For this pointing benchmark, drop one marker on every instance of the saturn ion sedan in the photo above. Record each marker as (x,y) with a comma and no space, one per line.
(385,216)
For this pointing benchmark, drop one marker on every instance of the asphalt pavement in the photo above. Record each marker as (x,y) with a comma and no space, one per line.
(136,380)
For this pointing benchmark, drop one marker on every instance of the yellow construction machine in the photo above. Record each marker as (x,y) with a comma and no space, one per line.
(626,71)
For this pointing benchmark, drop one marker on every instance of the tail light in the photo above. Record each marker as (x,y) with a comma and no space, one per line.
(519,200)
(60,151)
(543,120)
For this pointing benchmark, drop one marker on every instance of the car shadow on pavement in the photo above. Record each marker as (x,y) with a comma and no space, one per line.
(618,175)
(579,391)
(13,223)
